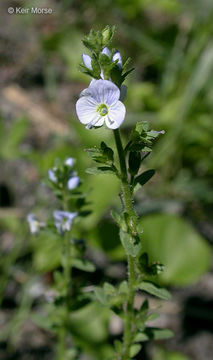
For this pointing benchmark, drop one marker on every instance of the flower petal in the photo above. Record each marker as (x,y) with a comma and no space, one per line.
(106,51)
(87,61)
(104,91)
(70,162)
(117,56)
(116,115)
(86,109)
(73,182)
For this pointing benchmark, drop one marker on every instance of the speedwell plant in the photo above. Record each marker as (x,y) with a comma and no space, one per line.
(101,104)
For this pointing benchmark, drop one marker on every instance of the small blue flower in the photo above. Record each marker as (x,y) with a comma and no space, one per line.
(34,224)
(87,61)
(51,175)
(63,220)
(70,162)
(73,182)
(106,51)
(100,103)
(116,56)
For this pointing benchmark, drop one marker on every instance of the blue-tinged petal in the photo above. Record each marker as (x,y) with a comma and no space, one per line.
(63,220)
(106,51)
(104,92)
(70,162)
(117,56)
(96,123)
(87,61)
(73,182)
(86,109)
(116,115)
(52,176)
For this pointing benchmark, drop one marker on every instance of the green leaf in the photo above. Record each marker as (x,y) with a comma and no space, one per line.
(130,244)
(154,290)
(134,350)
(109,289)
(84,265)
(123,287)
(118,346)
(100,295)
(134,162)
(153,334)
(175,243)
(143,178)
(101,170)
(43,322)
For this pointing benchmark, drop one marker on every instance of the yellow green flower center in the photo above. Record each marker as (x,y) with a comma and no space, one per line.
(102,109)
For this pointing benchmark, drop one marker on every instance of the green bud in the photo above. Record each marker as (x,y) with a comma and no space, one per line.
(107,34)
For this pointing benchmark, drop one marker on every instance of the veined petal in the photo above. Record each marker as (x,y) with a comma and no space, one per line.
(117,56)
(116,115)
(104,91)
(106,51)
(87,61)
(99,121)
(86,109)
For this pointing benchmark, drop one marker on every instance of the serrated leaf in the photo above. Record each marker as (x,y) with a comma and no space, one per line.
(143,178)
(84,265)
(154,290)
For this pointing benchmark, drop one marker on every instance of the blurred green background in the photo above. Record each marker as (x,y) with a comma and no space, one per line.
(170,43)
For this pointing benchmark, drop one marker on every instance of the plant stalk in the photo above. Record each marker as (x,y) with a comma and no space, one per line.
(128,204)
(67,271)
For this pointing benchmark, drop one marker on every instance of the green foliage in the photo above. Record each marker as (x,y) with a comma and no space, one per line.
(131,244)
(154,290)
(12,137)
(143,178)
(153,334)
(171,240)
(96,41)
(149,269)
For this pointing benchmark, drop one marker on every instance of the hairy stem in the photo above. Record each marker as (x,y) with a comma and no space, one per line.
(128,204)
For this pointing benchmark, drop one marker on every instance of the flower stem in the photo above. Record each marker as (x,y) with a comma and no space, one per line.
(67,271)
(128,204)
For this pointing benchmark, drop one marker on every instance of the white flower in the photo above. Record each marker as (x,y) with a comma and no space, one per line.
(51,175)
(63,220)
(73,182)
(34,224)
(106,51)
(116,56)
(70,162)
(100,103)
(87,61)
